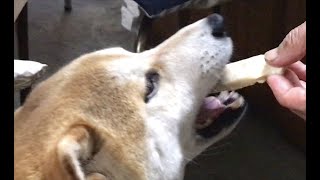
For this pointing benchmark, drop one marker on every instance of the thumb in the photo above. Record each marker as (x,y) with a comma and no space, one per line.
(291,49)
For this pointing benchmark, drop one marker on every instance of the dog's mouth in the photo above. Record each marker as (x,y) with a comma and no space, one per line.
(219,111)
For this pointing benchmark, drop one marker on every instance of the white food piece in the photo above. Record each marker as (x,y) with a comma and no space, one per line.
(26,72)
(245,73)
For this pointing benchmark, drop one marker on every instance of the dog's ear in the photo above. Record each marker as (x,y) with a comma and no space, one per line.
(79,144)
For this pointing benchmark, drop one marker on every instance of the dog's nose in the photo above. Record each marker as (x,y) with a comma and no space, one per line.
(216,22)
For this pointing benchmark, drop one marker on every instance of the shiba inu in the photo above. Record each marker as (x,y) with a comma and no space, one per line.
(117,115)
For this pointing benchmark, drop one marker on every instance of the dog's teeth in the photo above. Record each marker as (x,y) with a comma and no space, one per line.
(224,93)
(223,96)
(234,95)
(204,125)
(239,101)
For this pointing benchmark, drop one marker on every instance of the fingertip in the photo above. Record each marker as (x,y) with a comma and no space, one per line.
(272,80)
(271,56)
(279,85)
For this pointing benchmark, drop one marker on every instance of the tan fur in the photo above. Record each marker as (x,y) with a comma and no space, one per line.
(79,95)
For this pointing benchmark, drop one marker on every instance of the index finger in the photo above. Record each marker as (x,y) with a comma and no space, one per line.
(299,69)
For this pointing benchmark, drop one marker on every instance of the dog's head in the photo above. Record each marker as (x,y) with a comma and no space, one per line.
(175,82)
(152,110)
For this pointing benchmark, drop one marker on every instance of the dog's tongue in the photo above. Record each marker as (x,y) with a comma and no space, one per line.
(211,108)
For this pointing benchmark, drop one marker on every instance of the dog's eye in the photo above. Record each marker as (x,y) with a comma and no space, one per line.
(152,84)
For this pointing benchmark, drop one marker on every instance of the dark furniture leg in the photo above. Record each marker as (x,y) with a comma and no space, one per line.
(23,48)
(67,5)
(144,30)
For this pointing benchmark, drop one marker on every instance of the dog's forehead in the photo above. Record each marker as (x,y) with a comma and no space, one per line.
(105,56)
(114,62)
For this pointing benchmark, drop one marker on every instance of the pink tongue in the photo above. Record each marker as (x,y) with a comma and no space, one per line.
(212,103)
(211,108)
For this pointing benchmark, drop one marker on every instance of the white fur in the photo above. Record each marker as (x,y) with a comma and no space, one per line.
(193,68)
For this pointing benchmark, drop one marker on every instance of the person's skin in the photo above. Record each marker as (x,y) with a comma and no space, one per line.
(290,88)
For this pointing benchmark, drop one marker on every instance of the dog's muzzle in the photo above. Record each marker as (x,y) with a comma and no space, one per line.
(218,111)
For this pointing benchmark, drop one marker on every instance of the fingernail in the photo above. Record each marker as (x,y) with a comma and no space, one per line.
(271,55)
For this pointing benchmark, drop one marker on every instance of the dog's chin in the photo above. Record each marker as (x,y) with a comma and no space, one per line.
(219,113)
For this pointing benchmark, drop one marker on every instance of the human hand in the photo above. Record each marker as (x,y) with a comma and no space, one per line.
(290,88)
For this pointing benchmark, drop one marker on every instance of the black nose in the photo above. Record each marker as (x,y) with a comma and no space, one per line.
(216,22)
